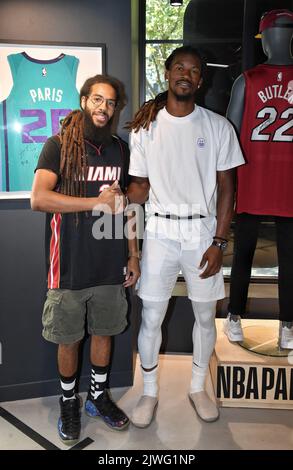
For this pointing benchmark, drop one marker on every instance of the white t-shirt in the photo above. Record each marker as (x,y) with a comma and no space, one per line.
(181,156)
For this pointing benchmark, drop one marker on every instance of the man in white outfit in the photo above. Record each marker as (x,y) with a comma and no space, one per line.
(182,160)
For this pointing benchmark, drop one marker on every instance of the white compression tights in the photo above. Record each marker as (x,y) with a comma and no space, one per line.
(150,335)
(204,332)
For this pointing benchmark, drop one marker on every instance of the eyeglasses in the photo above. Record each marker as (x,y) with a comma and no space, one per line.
(97,100)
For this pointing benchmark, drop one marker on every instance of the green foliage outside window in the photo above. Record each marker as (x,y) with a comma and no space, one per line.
(163,22)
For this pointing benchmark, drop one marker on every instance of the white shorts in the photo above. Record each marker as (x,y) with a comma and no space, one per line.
(162,260)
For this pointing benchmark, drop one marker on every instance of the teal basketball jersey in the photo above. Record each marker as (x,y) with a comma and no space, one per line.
(43,93)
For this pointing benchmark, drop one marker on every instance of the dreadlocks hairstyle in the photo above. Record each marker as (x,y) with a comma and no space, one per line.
(149,110)
(73,162)
(147,113)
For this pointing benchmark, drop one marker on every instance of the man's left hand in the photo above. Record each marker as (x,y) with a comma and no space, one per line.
(213,259)
(133,272)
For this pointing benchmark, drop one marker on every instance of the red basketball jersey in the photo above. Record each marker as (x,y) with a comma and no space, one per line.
(265,183)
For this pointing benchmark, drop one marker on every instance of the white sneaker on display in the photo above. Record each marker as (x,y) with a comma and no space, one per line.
(233,329)
(286,337)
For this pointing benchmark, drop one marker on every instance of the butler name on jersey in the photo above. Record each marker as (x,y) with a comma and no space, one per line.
(43,92)
(275,119)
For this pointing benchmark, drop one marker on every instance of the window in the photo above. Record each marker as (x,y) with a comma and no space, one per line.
(163,33)
(219,36)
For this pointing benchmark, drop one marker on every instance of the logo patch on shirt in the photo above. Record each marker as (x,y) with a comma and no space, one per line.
(201,142)
(279,76)
(44,71)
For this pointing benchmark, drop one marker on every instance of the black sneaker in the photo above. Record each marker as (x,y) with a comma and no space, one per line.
(69,421)
(104,407)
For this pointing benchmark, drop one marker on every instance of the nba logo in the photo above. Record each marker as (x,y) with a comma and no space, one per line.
(44,71)
(279,76)
(289,92)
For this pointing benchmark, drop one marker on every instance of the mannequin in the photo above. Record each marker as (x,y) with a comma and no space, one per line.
(261,109)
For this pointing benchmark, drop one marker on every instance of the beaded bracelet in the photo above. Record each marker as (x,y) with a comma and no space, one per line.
(134,254)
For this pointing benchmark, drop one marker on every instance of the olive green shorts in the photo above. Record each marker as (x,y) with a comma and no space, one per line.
(65,311)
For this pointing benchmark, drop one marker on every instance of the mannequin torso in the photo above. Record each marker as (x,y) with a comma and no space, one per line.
(261,110)
(276,44)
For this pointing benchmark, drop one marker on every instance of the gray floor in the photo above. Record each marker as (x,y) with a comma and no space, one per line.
(176,426)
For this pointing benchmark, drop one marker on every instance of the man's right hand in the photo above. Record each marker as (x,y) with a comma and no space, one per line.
(112,199)
(44,197)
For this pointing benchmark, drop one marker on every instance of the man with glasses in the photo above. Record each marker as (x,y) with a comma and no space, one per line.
(82,168)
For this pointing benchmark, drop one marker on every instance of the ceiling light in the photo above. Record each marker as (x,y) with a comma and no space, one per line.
(176,3)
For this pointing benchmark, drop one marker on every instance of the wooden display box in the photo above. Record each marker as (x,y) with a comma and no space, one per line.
(242,378)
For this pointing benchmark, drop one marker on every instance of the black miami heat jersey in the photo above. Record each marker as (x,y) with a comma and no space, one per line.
(265,183)
(91,250)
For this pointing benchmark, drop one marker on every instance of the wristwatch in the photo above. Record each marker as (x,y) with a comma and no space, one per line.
(220,244)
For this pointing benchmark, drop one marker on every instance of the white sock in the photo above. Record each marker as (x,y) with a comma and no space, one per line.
(198,378)
(150,382)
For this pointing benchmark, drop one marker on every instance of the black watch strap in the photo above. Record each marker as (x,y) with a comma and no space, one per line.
(220,244)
